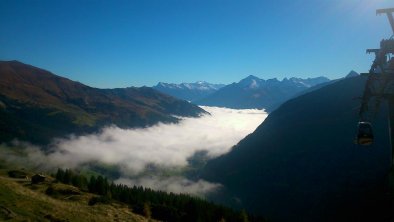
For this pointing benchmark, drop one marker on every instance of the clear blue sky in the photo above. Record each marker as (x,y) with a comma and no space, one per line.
(133,43)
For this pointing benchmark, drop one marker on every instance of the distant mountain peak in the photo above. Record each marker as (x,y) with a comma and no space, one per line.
(273,80)
(250,77)
(352,73)
(251,82)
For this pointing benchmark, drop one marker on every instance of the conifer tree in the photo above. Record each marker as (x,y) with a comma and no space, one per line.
(60,175)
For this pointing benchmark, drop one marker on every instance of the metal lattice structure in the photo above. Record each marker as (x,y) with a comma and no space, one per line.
(380,82)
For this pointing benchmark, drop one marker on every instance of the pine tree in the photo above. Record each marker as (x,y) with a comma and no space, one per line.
(92,185)
(68,176)
(60,175)
(100,185)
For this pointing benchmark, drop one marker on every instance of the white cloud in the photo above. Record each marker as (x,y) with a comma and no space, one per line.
(172,184)
(165,146)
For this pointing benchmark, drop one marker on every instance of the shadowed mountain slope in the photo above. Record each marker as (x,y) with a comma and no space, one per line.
(301,163)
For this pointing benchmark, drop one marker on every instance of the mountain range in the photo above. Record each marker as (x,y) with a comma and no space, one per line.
(37,105)
(250,92)
(253,92)
(188,91)
(301,163)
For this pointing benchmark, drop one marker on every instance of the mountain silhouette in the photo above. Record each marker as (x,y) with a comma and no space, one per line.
(37,105)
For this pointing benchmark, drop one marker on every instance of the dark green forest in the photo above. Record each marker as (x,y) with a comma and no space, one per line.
(150,203)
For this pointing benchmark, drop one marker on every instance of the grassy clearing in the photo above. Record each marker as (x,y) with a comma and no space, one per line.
(21,201)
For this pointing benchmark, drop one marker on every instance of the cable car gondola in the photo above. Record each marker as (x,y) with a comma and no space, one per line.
(364,134)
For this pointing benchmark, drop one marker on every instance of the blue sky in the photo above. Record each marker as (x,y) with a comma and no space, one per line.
(110,44)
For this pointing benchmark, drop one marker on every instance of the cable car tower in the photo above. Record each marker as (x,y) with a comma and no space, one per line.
(379,86)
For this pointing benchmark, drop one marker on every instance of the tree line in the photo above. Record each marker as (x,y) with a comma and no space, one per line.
(154,204)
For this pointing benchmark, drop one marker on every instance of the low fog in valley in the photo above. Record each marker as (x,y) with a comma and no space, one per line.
(163,147)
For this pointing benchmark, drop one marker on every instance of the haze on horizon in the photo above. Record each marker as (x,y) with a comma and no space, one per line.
(109,44)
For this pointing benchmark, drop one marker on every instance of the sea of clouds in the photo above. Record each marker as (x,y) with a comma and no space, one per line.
(162,145)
